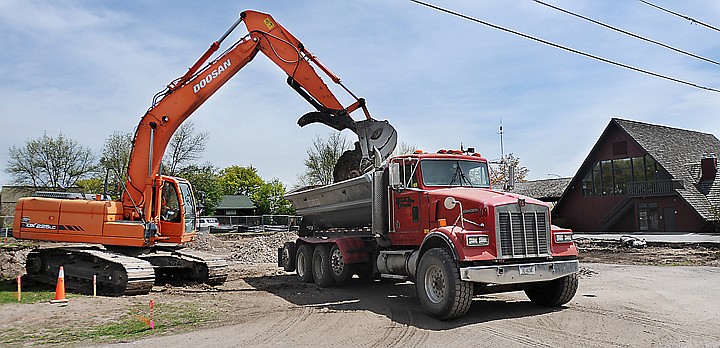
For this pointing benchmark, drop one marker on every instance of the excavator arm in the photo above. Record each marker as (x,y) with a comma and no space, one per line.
(172,106)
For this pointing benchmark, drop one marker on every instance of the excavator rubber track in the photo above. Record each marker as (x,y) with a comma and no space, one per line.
(187,266)
(116,274)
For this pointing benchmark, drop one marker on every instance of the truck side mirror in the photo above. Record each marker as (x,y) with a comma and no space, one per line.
(450,203)
(394,169)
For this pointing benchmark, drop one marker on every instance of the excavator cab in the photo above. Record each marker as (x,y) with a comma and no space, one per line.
(177,210)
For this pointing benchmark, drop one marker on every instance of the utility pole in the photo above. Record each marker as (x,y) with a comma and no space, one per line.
(502,149)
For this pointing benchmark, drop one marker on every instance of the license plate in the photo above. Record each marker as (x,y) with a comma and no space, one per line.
(527,270)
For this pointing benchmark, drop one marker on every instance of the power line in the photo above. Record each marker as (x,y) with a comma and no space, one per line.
(627,32)
(457,14)
(694,21)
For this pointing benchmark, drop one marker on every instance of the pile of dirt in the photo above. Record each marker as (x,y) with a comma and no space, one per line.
(210,243)
(12,261)
(244,248)
(657,254)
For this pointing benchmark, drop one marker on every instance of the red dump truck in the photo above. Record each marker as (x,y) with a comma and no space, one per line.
(432,218)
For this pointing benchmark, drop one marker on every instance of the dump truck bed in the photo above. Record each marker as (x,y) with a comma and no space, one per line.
(345,204)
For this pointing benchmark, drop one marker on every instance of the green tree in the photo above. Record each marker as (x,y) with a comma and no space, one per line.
(205,179)
(269,199)
(50,162)
(185,147)
(500,175)
(236,180)
(114,161)
(321,159)
(404,149)
(92,185)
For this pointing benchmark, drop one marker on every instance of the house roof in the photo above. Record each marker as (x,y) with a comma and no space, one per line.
(679,152)
(542,189)
(235,202)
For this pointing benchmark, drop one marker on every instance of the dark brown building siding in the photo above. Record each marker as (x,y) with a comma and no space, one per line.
(666,211)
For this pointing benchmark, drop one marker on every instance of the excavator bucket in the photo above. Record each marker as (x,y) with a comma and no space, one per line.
(376,134)
(371,133)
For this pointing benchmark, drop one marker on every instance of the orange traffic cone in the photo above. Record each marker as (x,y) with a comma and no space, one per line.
(60,288)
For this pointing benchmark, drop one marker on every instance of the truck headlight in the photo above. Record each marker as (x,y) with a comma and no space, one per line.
(563,237)
(477,240)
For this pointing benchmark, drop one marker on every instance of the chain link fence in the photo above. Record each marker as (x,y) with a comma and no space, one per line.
(6,227)
(258,223)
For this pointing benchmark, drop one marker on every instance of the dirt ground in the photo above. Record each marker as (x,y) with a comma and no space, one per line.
(656,296)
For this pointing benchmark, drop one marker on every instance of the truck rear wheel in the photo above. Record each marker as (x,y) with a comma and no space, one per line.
(304,263)
(288,256)
(322,271)
(341,271)
(555,292)
(441,291)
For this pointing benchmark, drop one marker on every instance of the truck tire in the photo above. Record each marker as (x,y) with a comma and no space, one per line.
(288,256)
(555,292)
(441,291)
(322,272)
(341,271)
(304,263)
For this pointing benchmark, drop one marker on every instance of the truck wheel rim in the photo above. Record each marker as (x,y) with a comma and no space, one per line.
(435,284)
(336,262)
(301,265)
(286,256)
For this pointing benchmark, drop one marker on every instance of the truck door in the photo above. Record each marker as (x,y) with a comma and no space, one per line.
(406,202)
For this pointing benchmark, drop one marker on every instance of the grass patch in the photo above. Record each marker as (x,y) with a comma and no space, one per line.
(30,293)
(168,317)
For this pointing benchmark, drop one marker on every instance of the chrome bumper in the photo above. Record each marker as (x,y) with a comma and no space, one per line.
(519,273)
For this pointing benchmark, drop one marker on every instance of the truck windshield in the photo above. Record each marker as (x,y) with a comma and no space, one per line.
(445,172)
(189,205)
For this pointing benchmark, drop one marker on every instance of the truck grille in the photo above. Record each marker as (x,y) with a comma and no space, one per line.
(522,232)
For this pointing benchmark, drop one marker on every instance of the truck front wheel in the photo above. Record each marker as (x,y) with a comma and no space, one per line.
(304,263)
(555,292)
(322,271)
(441,291)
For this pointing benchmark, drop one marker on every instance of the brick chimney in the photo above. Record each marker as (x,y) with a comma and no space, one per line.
(708,164)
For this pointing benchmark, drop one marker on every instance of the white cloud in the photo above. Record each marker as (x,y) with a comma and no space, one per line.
(87,69)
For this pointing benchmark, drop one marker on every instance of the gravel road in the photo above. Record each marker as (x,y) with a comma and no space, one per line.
(616,306)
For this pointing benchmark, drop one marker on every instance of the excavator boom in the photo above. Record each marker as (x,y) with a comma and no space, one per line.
(183,96)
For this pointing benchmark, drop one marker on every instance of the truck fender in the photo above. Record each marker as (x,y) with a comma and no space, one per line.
(352,248)
(438,239)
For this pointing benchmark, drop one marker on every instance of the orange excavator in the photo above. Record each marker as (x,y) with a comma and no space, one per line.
(126,244)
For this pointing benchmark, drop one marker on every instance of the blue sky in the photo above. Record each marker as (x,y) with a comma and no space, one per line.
(89,68)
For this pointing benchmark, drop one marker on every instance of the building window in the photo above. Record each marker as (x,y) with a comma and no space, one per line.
(607,178)
(648,217)
(619,148)
(610,177)
(622,174)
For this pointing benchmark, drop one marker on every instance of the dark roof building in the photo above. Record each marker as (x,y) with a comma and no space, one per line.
(546,190)
(645,177)
(235,205)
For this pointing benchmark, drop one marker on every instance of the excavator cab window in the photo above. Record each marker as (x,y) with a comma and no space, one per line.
(170,204)
(189,206)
